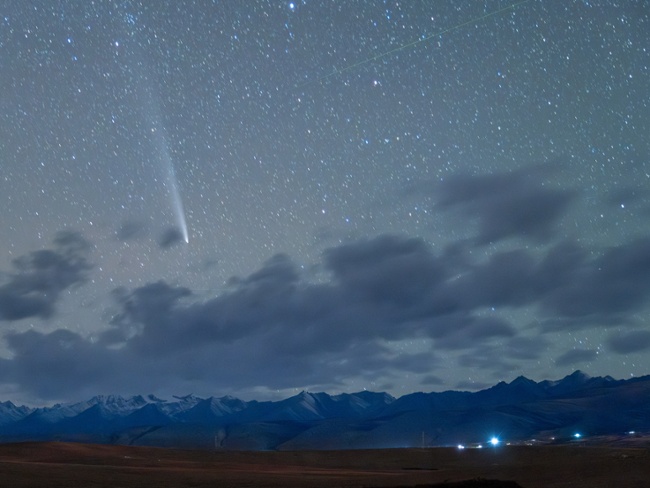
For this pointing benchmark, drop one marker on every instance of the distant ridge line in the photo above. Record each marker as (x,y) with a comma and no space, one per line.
(518,411)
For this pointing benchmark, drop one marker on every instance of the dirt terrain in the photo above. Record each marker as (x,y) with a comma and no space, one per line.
(71,465)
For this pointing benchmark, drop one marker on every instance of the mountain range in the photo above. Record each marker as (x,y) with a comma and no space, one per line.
(518,411)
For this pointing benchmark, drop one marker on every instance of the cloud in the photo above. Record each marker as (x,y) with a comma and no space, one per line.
(388,270)
(570,287)
(372,297)
(57,364)
(525,348)
(469,385)
(277,328)
(35,286)
(629,342)
(498,359)
(505,205)
(430,380)
(604,289)
(150,304)
(170,237)
(468,331)
(507,278)
(575,356)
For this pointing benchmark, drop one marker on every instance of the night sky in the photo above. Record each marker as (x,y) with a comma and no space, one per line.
(259,197)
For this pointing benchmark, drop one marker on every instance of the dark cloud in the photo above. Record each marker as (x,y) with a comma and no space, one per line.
(515,204)
(388,269)
(562,265)
(470,331)
(131,229)
(490,359)
(629,341)
(281,329)
(525,348)
(570,287)
(575,356)
(58,363)
(507,278)
(150,305)
(278,329)
(35,286)
(605,289)
(431,380)
(170,237)
(506,356)
(469,385)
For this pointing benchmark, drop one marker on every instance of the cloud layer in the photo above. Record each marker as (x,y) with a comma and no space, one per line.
(507,205)
(38,279)
(275,329)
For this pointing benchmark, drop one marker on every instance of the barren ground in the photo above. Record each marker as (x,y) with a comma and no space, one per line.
(78,465)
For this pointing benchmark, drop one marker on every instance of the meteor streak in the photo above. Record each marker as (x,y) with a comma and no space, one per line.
(416,42)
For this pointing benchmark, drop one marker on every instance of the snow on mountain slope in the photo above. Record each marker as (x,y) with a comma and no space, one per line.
(520,409)
(212,410)
(10,413)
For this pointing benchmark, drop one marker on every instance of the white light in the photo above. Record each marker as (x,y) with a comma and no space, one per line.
(577,435)
(494,441)
(460,446)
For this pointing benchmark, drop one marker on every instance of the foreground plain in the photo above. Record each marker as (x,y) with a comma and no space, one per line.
(71,465)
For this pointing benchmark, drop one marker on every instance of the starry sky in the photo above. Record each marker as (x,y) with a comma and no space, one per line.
(256,198)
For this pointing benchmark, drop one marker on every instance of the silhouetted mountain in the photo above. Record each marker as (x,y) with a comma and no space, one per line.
(576,382)
(306,407)
(520,390)
(151,415)
(517,411)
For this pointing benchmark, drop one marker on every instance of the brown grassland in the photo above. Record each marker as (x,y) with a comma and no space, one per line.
(67,465)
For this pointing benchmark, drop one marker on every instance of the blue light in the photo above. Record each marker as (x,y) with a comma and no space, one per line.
(494,441)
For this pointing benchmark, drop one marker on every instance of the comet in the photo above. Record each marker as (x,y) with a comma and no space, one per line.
(160,142)
(152,114)
(177,203)
(174,191)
